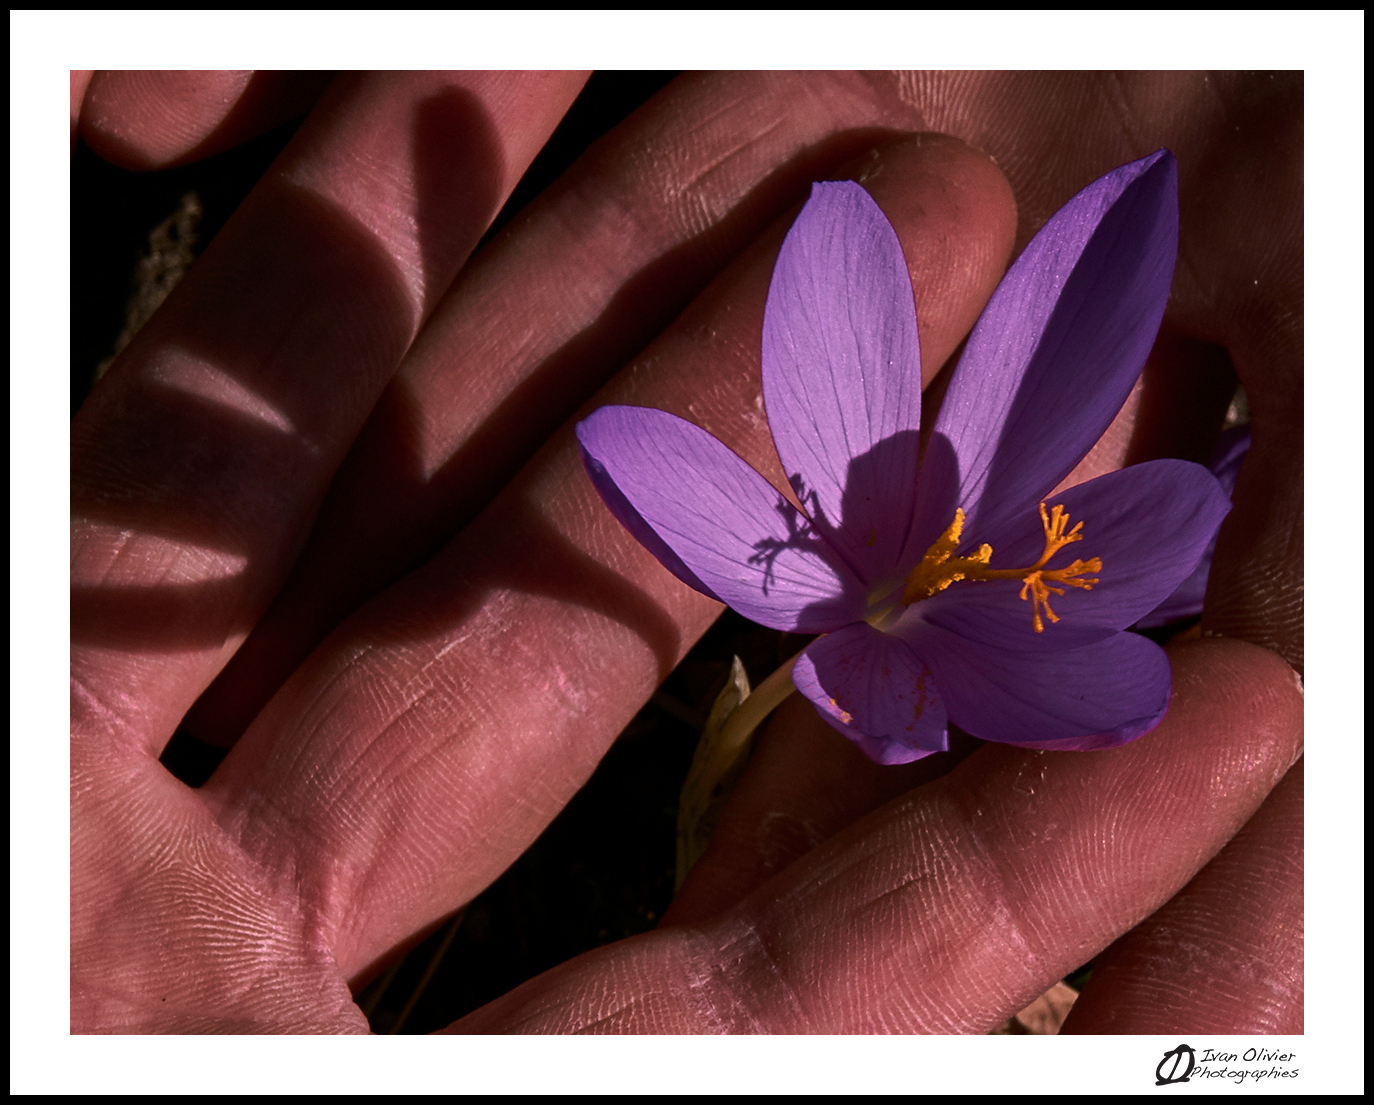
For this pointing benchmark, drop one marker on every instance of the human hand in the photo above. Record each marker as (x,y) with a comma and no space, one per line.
(413,755)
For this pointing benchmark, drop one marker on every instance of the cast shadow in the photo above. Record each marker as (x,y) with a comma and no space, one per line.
(204,442)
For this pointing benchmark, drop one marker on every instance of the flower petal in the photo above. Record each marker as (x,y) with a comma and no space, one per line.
(730,534)
(1055,353)
(1186,601)
(872,688)
(842,375)
(1149,525)
(1098,696)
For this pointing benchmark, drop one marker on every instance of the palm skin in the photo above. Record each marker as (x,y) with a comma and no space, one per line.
(317,445)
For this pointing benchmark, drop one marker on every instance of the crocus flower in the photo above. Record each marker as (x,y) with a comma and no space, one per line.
(948,587)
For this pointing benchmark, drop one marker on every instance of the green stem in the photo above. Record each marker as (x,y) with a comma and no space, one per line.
(749,715)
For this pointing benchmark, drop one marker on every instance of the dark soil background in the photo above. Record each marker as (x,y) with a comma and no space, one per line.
(604,869)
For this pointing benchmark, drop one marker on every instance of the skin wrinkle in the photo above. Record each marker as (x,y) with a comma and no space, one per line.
(159,560)
(381,777)
(612,1016)
(754,955)
(701,958)
(371,655)
(291,753)
(376,778)
(280,867)
(207,913)
(993,882)
(957,1012)
(706,1001)
(840,876)
(709,211)
(115,725)
(111,552)
(693,185)
(366,883)
(562,790)
(729,107)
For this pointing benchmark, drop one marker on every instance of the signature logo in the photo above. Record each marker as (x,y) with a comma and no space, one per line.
(1171,1062)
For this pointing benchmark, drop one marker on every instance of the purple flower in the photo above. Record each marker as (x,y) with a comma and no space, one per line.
(944,593)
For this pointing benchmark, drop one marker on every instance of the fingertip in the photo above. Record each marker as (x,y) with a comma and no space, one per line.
(147,120)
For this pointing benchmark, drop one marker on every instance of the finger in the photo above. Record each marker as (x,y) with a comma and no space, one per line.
(1225,954)
(950,909)
(800,788)
(1186,389)
(201,456)
(600,263)
(158,118)
(81,79)
(432,738)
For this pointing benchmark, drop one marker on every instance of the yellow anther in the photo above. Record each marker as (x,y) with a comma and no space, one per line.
(940,567)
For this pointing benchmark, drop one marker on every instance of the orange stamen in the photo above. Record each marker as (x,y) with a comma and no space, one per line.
(940,567)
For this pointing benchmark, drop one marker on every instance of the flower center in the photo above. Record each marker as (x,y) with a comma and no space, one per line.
(940,567)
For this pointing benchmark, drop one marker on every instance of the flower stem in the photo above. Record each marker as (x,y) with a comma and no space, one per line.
(751,713)
(721,755)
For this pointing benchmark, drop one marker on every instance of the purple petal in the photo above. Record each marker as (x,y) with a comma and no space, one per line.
(1229,455)
(639,529)
(1186,601)
(872,688)
(1098,696)
(1149,525)
(1055,353)
(730,534)
(842,375)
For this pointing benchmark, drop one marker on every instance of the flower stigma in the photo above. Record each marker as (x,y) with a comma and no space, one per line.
(940,567)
